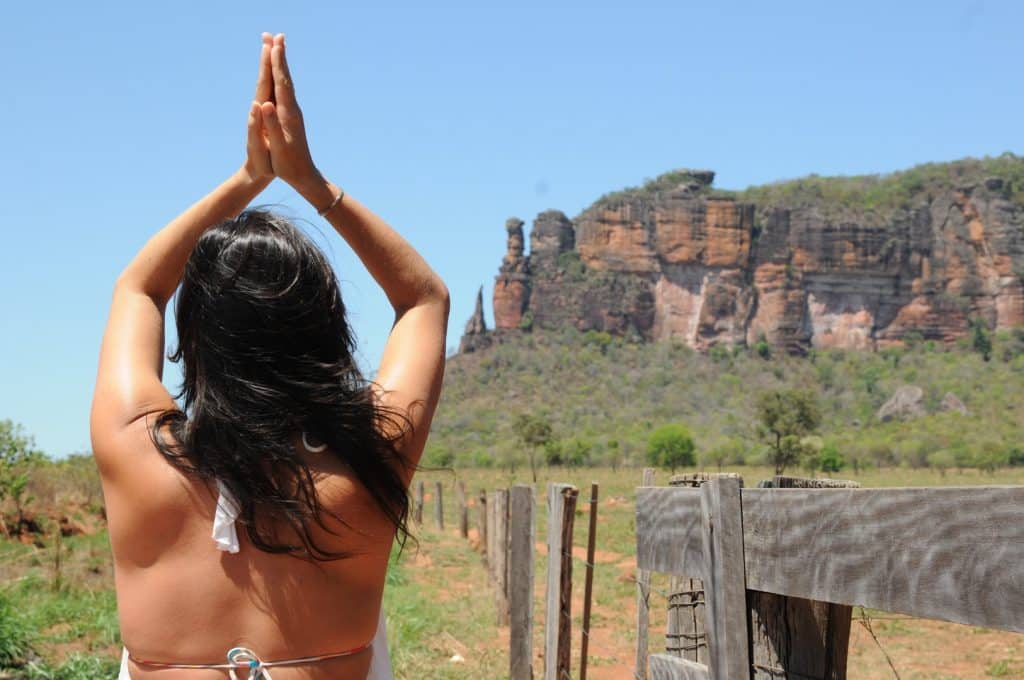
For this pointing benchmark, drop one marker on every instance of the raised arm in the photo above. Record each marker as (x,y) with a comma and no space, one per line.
(412,366)
(128,382)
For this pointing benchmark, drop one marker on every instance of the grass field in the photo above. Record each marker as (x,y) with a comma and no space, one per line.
(440,606)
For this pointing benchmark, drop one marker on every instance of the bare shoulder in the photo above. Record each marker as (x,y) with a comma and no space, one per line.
(147,498)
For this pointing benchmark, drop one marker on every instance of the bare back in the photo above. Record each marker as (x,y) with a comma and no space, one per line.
(177,592)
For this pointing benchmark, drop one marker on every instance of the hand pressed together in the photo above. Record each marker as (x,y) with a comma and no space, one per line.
(276,144)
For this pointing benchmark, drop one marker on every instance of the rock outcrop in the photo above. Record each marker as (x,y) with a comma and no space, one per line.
(475,336)
(511,289)
(951,403)
(857,263)
(906,402)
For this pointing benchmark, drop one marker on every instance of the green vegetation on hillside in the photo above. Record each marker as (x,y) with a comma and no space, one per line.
(881,195)
(610,395)
(871,198)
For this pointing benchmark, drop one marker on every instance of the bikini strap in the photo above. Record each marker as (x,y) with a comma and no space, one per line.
(243,657)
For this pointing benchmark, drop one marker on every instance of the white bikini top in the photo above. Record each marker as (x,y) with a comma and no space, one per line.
(224,533)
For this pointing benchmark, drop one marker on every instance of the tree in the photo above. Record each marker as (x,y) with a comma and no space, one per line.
(787,416)
(18,454)
(671,446)
(577,452)
(534,433)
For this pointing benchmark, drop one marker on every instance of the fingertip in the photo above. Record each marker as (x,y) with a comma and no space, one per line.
(267,109)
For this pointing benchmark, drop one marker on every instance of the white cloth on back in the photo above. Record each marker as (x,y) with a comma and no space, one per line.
(224,533)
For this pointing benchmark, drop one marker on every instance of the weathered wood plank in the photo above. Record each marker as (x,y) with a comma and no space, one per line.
(794,637)
(685,635)
(724,583)
(643,583)
(791,636)
(667,667)
(668,534)
(501,555)
(522,536)
(946,553)
(561,507)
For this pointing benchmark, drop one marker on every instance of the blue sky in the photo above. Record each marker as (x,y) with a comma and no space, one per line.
(446,119)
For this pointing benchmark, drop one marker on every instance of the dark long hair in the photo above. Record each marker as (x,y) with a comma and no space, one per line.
(267,355)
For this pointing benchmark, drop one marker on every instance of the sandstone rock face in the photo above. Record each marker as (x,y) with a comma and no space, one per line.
(906,402)
(677,260)
(551,236)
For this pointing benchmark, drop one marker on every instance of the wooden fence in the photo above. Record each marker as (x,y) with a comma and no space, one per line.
(506,530)
(780,568)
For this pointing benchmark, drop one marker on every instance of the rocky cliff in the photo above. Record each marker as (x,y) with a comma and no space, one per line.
(856,262)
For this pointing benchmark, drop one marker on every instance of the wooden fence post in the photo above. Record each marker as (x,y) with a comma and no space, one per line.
(558,621)
(792,635)
(460,502)
(439,508)
(588,587)
(418,504)
(501,555)
(482,521)
(522,536)
(684,635)
(725,581)
(643,605)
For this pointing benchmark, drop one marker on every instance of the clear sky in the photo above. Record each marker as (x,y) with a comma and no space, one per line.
(446,118)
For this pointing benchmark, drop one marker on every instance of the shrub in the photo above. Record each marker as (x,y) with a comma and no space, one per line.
(762,347)
(671,446)
(829,460)
(554,453)
(439,456)
(483,459)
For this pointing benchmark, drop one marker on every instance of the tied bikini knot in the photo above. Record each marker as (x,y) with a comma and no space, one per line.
(240,657)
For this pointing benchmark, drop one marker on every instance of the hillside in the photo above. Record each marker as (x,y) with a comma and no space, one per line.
(863,262)
(604,396)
